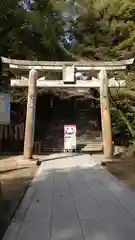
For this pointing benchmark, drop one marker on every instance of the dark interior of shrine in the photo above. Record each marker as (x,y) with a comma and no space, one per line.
(52,112)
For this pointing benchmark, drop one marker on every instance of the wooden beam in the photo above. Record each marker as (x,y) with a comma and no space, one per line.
(30,116)
(105,115)
(37,67)
(94,83)
(59,68)
(77,63)
(112,82)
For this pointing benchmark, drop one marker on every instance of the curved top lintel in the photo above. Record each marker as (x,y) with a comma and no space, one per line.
(58,63)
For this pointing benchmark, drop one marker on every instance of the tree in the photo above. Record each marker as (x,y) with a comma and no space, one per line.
(20,28)
(104,29)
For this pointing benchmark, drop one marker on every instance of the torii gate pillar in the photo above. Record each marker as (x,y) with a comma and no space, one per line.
(105,115)
(30,115)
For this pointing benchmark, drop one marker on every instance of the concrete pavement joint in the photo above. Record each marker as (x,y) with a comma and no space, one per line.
(83,236)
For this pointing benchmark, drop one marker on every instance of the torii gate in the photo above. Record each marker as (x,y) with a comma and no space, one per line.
(30,76)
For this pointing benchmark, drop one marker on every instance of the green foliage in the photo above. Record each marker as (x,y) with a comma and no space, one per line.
(104,29)
(123,124)
(33,34)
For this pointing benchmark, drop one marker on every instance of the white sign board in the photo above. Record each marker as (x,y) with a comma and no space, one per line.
(4,108)
(69,137)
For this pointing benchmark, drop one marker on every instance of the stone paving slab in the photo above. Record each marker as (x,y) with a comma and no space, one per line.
(65,224)
(74,198)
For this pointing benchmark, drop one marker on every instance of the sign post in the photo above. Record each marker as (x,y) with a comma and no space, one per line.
(4,108)
(69,138)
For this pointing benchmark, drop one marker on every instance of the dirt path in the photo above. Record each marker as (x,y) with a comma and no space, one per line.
(124,170)
(15,177)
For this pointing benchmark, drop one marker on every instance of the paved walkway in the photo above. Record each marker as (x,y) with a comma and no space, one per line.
(73,198)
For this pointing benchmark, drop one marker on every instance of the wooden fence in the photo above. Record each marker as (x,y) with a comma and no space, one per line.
(12,132)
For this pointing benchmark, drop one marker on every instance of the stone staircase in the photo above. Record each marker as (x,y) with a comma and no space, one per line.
(88,134)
